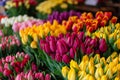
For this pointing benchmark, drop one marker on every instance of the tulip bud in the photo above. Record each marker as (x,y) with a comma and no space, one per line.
(76,43)
(72,74)
(58,57)
(47,48)
(62,47)
(104,77)
(33,44)
(114,19)
(66,58)
(74,65)
(47,77)
(72,52)
(65,71)
(52,44)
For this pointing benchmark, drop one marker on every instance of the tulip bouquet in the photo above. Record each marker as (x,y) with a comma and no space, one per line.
(93,68)
(54,5)
(61,16)
(8,45)
(87,21)
(20,7)
(19,67)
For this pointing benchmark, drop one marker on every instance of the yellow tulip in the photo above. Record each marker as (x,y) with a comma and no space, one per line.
(114,54)
(72,74)
(109,73)
(64,6)
(81,74)
(35,37)
(74,64)
(117,43)
(65,71)
(91,78)
(33,44)
(104,77)
(116,78)
(24,39)
(100,71)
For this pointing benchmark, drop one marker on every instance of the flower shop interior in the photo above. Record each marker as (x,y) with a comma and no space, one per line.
(59,39)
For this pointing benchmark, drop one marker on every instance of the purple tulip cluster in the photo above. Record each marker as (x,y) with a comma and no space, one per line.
(62,16)
(64,48)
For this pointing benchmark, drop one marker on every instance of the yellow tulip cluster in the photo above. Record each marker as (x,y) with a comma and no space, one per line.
(110,33)
(94,68)
(46,6)
(38,32)
(10,4)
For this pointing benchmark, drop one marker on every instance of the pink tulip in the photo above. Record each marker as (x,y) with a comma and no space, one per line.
(81,35)
(18,77)
(16,27)
(30,76)
(6,66)
(8,59)
(1,68)
(76,43)
(1,33)
(41,76)
(47,77)
(70,41)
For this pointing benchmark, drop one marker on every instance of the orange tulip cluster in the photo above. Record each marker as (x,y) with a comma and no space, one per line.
(88,22)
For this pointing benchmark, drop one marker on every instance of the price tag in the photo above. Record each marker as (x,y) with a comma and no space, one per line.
(91,2)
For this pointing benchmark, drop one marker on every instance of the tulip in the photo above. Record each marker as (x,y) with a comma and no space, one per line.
(18,77)
(103,45)
(89,51)
(76,43)
(83,49)
(7,72)
(104,77)
(58,57)
(114,19)
(81,35)
(62,47)
(65,58)
(47,48)
(65,71)
(34,67)
(30,76)
(47,77)
(52,44)
(72,74)
(41,76)
(33,44)
(70,41)
(72,52)
(74,65)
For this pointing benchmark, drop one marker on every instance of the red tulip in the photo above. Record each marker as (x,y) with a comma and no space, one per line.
(7,72)
(114,19)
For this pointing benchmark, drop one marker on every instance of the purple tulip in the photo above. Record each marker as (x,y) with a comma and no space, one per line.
(70,41)
(103,45)
(47,77)
(47,48)
(81,35)
(72,52)
(89,50)
(76,43)
(42,43)
(66,58)
(58,57)
(52,44)
(83,49)
(62,47)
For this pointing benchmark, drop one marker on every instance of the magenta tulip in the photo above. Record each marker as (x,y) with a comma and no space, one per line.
(65,58)
(47,77)
(52,44)
(72,52)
